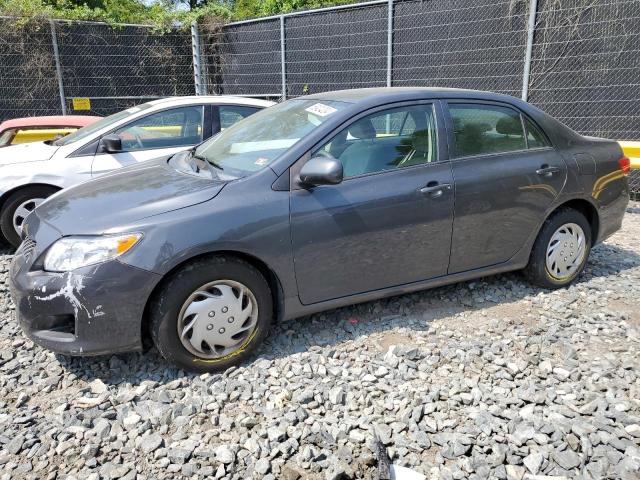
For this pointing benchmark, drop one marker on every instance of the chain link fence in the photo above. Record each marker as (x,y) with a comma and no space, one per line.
(28,84)
(478,44)
(332,49)
(45,65)
(585,68)
(117,67)
(243,59)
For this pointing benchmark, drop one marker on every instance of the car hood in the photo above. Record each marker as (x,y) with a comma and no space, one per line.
(27,152)
(125,196)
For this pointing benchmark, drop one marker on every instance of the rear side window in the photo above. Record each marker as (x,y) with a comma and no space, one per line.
(485,129)
(535,137)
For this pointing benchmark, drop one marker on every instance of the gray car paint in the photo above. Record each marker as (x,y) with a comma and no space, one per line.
(300,237)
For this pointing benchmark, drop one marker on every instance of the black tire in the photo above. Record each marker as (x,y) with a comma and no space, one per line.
(167,303)
(536,271)
(13,202)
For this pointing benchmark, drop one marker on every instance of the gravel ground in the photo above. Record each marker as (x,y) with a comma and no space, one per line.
(484,379)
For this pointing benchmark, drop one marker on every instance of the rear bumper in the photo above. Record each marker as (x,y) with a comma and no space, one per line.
(91,311)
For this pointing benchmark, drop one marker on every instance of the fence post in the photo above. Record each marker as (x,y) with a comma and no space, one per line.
(531,26)
(389,42)
(197,59)
(56,57)
(283,57)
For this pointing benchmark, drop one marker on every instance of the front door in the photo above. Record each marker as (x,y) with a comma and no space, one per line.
(506,177)
(389,222)
(157,135)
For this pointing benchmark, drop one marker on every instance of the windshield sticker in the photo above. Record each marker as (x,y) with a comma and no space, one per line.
(321,109)
(261,161)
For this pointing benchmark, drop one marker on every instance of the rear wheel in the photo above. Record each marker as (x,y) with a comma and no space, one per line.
(17,207)
(211,314)
(561,250)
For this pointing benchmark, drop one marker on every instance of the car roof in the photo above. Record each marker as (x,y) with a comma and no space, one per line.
(215,99)
(50,121)
(393,94)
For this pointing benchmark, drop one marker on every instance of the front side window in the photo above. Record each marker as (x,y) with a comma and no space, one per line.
(485,129)
(231,114)
(86,132)
(254,143)
(175,127)
(386,140)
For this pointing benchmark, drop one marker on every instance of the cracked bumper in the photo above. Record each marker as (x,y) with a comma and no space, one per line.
(91,311)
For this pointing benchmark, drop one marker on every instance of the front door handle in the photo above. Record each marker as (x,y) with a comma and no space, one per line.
(435,189)
(547,171)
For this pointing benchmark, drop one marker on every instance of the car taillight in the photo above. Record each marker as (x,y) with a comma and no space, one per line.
(625,165)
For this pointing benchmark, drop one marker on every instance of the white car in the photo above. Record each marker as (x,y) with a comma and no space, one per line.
(31,172)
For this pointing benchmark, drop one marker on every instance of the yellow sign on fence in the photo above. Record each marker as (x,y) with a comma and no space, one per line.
(81,104)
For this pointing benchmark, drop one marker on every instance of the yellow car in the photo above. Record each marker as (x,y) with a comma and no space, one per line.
(632,151)
(39,129)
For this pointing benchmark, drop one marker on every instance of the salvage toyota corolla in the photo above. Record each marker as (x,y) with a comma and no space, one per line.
(319,202)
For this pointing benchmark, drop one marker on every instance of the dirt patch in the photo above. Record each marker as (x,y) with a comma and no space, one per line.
(388,339)
(632,310)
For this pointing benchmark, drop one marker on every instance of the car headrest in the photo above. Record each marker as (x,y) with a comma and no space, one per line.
(363,129)
(509,126)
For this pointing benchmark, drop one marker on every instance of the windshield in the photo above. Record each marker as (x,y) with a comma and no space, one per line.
(256,141)
(89,130)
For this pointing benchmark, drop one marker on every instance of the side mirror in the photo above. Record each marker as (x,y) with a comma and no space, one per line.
(111,143)
(321,171)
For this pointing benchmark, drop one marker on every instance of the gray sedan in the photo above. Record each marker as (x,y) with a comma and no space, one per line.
(319,202)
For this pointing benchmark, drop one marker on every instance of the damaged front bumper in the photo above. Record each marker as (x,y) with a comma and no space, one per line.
(93,310)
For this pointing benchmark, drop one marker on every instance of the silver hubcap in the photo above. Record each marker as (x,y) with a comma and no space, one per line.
(217,318)
(24,209)
(565,251)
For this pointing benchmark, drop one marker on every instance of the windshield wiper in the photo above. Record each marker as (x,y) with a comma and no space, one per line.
(213,164)
(214,175)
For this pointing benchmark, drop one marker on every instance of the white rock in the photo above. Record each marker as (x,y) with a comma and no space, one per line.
(633,430)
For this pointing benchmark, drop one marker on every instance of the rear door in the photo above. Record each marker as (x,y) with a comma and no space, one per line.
(159,134)
(389,222)
(506,176)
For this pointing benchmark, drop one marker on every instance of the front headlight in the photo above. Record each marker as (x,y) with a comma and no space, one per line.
(70,253)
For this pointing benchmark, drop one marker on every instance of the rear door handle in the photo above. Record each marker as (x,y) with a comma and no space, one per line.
(435,189)
(547,171)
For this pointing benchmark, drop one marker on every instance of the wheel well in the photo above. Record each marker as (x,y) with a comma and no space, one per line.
(272,280)
(590,213)
(7,194)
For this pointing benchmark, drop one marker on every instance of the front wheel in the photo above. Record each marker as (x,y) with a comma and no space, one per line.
(17,207)
(561,250)
(211,314)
